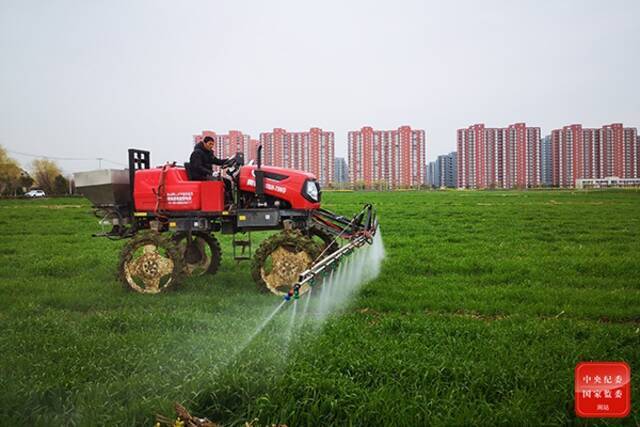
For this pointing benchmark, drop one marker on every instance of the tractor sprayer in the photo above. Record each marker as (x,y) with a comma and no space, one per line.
(171,223)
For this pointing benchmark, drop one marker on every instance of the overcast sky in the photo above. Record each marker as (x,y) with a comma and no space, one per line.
(93,78)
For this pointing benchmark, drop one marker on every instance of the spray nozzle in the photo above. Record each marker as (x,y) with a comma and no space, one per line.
(293,293)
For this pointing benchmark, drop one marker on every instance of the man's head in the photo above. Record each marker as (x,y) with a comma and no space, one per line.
(208,143)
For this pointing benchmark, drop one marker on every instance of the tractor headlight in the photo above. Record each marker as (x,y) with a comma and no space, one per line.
(311,191)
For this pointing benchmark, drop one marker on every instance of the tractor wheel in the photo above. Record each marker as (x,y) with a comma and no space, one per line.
(280,259)
(150,264)
(201,255)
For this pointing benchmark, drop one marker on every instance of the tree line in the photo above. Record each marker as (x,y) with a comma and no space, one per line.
(44,175)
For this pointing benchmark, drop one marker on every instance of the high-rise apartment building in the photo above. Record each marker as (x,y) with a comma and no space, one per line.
(545,161)
(619,151)
(227,145)
(340,170)
(498,157)
(311,151)
(432,175)
(447,170)
(395,158)
(591,153)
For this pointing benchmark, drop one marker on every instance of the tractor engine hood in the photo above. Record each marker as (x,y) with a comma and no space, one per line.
(299,188)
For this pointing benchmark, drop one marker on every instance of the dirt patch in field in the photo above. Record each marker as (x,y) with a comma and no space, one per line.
(46,206)
(458,313)
(185,419)
(61,206)
(633,321)
(556,203)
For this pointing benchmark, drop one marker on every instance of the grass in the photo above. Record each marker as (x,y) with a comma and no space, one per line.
(485,303)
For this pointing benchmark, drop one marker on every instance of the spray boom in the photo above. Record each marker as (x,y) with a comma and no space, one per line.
(360,231)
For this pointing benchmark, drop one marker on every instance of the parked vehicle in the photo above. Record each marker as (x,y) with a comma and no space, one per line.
(35,194)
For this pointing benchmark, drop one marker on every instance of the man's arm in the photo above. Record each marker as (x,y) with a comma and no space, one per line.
(219,162)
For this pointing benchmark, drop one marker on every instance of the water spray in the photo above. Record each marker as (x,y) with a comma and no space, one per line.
(336,286)
(260,327)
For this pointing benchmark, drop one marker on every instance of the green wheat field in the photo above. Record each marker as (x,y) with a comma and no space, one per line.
(485,303)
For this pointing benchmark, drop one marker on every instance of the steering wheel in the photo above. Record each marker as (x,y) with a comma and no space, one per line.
(230,168)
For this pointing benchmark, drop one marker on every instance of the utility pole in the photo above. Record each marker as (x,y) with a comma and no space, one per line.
(100,162)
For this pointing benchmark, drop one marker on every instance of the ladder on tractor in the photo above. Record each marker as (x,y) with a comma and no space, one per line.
(244,248)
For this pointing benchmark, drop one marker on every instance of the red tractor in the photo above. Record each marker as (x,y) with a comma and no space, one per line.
(172,222)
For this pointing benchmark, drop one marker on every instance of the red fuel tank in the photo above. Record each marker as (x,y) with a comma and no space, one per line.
(178,193)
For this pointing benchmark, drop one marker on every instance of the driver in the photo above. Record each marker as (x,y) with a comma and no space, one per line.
(201,162)
(202,159)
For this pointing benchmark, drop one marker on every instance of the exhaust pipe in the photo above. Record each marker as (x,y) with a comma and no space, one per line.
(259,178)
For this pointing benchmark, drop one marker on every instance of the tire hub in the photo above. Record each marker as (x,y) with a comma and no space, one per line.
(193,254)
(150,267)
(286,267)
(150,272)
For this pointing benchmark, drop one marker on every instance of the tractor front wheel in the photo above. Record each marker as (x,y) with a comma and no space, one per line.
(150,263)
(280,259)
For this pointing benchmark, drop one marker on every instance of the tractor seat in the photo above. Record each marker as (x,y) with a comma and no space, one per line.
(187,168)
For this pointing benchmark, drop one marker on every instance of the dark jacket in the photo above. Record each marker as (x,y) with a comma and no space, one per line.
(201,161)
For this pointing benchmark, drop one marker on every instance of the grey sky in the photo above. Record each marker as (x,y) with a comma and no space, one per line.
(93,78)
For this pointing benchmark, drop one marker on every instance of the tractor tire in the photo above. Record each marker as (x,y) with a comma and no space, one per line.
(199,260)
(280,259)
(150,264)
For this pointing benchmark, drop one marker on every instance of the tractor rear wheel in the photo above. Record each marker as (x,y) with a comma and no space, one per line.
(200,255)
(280,259)
(150,263)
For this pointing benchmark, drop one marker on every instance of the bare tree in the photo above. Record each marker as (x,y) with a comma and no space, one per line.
(45,173)
(9,172)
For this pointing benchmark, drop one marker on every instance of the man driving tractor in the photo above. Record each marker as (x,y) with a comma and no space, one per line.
(202,159)
(201,162)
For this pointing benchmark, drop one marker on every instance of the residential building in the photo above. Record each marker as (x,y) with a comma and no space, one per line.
(619,151)
(447,170)
(592,153)
(498,157)
(387,158)
(340,170)
(545,161)
(227,145)
(432,175)
(311,151)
